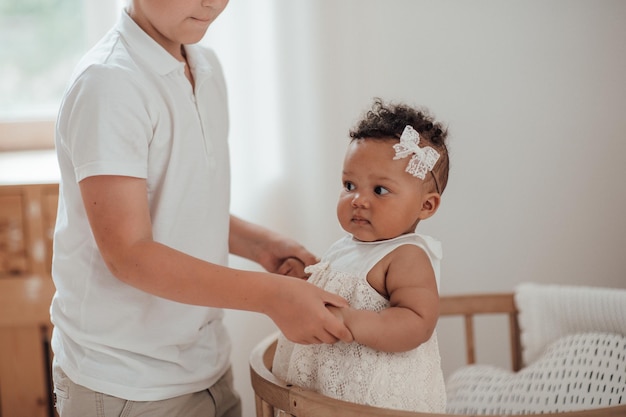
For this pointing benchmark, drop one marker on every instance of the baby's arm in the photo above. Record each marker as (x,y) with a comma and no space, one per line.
(410,320)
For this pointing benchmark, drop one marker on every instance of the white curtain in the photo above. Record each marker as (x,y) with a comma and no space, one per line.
(269,53)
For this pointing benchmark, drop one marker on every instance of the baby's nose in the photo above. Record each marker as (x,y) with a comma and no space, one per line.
(359,200)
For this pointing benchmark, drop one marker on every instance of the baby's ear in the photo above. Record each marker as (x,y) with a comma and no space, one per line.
(430,204)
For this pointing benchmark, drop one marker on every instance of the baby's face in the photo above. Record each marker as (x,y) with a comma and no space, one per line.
(379,200)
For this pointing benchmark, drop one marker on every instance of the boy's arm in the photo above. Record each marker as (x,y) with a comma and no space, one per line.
(117,208)
(414,305)
(271,250)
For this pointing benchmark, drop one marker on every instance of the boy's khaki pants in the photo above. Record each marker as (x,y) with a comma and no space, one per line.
(74,400)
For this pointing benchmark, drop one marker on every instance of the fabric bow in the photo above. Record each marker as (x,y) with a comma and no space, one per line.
(423,159)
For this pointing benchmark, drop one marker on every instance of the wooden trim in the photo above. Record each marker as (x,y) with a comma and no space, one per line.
(477,304)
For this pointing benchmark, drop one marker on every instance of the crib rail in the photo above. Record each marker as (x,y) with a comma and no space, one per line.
(469,306)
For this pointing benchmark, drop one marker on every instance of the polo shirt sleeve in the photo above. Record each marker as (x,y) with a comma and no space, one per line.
(104,123)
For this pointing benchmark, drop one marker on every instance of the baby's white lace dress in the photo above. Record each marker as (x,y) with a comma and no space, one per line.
(411,381)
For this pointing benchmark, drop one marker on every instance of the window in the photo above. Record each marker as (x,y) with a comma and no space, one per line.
(42,44)
(42,40)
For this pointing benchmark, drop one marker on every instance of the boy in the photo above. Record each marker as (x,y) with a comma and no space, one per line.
(143,229)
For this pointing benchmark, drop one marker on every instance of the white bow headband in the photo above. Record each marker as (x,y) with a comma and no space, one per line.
(423,159)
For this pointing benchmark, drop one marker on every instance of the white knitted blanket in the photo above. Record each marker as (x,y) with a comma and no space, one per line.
(548,312)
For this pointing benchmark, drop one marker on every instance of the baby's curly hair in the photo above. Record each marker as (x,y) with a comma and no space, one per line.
(384,121)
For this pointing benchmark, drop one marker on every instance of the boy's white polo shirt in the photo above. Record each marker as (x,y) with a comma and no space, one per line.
(129,110)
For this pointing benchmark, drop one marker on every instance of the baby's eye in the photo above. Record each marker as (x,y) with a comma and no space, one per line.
(380,190)
(348,186)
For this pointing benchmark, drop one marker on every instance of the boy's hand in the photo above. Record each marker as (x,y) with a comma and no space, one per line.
(300,311)
(337,312)
(292,267)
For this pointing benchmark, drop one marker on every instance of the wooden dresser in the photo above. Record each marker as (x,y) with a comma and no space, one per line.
(28,202)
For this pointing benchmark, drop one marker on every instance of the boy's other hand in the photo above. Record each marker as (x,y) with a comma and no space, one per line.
(292,267)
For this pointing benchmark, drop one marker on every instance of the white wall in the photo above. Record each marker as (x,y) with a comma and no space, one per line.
(533,93)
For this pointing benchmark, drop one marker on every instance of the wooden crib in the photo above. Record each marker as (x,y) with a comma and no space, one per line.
(273,394)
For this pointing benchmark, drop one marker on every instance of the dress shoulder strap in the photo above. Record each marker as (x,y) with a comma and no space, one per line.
(350,255)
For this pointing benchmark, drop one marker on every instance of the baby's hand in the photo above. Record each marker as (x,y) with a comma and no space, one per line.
(292,267)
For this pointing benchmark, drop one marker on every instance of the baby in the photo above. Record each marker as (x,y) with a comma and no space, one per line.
(394,172)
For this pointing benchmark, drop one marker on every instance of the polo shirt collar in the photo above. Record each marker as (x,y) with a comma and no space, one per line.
(200,65)
(145,47)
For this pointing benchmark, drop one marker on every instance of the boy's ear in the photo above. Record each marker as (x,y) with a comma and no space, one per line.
(430,204)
